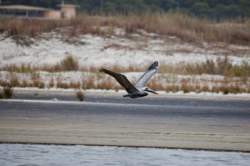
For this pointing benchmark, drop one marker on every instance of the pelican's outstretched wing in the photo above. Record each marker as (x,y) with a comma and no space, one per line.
(147,75)
(121,79)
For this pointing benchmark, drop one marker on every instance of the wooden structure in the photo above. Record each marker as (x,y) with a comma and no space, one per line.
(66,12)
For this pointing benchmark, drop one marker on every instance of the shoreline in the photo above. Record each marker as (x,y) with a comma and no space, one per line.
(211,150)
(120,93)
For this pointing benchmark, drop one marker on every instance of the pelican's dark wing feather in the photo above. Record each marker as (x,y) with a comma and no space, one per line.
(121,79)
(147,75)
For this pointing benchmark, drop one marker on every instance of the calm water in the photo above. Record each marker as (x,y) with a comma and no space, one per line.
(58,155)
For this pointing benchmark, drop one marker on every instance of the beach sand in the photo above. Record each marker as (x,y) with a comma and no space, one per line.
(123,133)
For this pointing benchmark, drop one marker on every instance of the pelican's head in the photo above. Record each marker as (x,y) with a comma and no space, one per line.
(146,89)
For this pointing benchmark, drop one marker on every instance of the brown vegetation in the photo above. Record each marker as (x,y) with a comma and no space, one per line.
(88,84)
(61,84)
(222,66)
(14,80)
(7,91)
(75,85)
(172,88)
(184,27)
(51,83)
(79,95)
(185,85)
(24,83)
(68,64)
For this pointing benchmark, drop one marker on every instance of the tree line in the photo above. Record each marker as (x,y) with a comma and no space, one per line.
(201,8)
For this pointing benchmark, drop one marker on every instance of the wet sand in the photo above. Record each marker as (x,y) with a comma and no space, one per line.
(124,132)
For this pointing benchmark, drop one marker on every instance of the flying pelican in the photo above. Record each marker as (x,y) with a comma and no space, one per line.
(139,90)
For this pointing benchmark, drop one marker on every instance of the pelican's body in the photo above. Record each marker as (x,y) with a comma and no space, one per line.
(139,90)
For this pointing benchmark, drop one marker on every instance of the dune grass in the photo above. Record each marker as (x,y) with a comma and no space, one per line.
(184,27)
(222,66)
(158,83)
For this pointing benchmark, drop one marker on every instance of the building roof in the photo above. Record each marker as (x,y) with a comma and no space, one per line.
(23,7)
(68,5)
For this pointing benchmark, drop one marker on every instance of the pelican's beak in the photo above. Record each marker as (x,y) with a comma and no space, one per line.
(151,91)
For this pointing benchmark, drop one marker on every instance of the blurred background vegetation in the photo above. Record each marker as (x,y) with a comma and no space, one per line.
(200,8)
